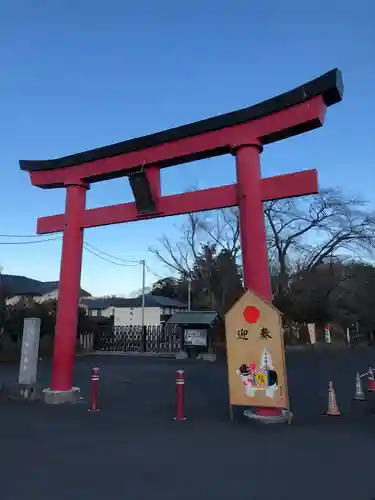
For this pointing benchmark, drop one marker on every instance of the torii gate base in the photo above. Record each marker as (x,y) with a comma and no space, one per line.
(241,133)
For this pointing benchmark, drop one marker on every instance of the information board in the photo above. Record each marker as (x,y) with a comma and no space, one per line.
(195,337)
(255,352)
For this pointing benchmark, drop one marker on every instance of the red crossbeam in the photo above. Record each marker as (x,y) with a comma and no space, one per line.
(291,121)
(273,188)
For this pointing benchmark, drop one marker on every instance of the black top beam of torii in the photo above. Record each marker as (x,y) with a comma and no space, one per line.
(329,86)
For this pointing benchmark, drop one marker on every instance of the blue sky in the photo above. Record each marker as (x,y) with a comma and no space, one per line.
(75,75)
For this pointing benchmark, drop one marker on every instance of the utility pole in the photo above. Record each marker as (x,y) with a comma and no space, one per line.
(189,295)
(2,299)
(143,264)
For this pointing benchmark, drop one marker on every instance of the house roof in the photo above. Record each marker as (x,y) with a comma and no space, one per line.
(164,301)
(193,318)
(150,301)
(22,285)
(96,303)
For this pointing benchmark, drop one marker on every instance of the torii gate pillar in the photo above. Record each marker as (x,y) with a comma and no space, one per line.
(252,227)
(69,288)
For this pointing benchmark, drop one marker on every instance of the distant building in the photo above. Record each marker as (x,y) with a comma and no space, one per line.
(17,287)
(128,311)
(158,309)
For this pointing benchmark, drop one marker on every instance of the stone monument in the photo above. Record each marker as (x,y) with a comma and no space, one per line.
(29,352)
(26,387)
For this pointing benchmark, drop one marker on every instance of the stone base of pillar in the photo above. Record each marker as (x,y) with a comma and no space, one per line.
(209,356)
(24,392)
(52,397)
(181,355)
(283,417)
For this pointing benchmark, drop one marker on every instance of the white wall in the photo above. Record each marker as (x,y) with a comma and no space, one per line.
(48,296)
(12,301)
(103,313)
(133,316)
(172,310)
(122,315)
(107,313)
(38,298)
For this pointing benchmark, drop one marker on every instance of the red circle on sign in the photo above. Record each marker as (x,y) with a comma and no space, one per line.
(251,314)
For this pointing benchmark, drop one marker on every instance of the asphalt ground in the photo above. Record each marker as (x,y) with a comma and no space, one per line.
(133,449)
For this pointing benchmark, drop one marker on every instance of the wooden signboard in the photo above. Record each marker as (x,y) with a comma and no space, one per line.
(256,356)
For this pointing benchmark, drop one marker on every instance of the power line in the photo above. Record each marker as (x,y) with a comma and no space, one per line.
(87,246)
(122,261)
(134,263)
(153,273)
(110,255)
(29,242)
(20,235)
(106,259)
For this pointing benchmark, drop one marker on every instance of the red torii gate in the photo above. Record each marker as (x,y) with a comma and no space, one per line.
(241,133)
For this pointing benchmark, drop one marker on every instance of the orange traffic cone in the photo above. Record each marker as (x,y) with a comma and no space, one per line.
(333,409)
(371,380)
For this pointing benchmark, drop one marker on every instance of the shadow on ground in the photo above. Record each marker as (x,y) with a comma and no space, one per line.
(133,449)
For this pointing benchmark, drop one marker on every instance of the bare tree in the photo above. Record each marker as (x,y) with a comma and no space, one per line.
(220,228)
(309,240)
(304,233)
(301,233)
(207,254)
(6,311)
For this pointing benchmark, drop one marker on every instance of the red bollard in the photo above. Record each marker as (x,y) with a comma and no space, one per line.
(180,383)
(94,390)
